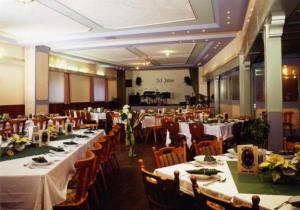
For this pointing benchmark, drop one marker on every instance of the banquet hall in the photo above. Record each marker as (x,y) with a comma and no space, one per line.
(149,104)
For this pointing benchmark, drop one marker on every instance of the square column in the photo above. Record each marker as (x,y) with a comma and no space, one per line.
(217,94)
(36,80)
(245,89)
(273,79)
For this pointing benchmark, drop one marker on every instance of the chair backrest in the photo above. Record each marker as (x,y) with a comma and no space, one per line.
(84,169)
(189,116)
(179,117)
(17,125)
(287,117)
(3,124)
(109,121)
(173,128)
(59,121)
(40,123)
(76,122)
(207,200)
(97,150)
(167,156)
(161,193)
(213,147)
(196,130)
(107,142)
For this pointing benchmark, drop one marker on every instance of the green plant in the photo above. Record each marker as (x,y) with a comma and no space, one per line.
(259,131)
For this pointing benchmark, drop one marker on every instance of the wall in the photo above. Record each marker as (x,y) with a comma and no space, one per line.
(79,88)
(161,81)
(56,87)
(112,89)
(99,89)
(11,74)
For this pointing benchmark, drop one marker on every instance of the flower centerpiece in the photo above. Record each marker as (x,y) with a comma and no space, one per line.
(18,142)
(279,168)
(53,131)
(126,117)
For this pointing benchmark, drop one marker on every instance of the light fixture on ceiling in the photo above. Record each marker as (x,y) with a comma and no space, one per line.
(137,68)
(228,12)
(167,52)
(187,32)
(25,1)
(206,40)
(203,30)
(147,62)
(228,22)
(193,41)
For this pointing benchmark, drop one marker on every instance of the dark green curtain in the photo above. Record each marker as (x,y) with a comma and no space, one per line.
(194,75)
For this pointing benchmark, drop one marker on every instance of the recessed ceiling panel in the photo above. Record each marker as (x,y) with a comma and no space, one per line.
(32,20)
(108,54)
(174,60)
(168,50)
(120,14)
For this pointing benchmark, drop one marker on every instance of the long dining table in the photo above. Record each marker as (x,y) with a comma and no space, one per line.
(24,185)
(236,187)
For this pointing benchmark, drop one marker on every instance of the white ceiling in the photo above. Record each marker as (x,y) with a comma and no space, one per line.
(120,14)
(124,33)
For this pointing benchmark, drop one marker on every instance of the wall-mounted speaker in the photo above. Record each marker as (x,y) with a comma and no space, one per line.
(128,83)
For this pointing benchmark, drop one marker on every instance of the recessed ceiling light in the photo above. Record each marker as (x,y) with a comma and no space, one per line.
(228,17)
(228,12)
(206,40)
(219,42)
(228,22)
(187,32)
(24,1)
(193,41)
(137,68)
(203,30)
(173,33)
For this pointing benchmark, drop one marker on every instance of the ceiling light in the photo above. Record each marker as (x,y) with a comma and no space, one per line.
(24,1)
(193,41)
(228,22)
(206,40)
(187,32)
(228,12)
(228,17)
(203,30)
(167,52)
(137,68)
(173,33)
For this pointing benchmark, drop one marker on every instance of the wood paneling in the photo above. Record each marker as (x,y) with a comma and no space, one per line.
(13,110)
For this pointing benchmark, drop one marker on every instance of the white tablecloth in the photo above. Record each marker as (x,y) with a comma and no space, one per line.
(148,121)
(227,188)
(220,130)
(98,116)
(42,187)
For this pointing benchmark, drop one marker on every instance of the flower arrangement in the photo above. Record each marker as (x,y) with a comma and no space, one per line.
(126,117)
(220,116)
(279,167)
(18,142)
(53,131)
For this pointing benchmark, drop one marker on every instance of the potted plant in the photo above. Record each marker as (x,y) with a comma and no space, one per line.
(280,169)
(259,131)
(18,142)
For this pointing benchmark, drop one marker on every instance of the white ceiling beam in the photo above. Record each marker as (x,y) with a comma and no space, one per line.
(142,41)
(66,11)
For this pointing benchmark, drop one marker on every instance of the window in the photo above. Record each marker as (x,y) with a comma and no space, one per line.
(290,83)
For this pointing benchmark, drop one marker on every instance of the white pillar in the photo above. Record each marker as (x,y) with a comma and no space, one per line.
(273,78)
(36,80)
(245,89)
(217,94)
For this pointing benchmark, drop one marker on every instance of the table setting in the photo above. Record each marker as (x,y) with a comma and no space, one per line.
(47,169)
(219,175)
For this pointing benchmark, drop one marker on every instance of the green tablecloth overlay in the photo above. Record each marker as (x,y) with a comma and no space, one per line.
(260,184)
(31,151)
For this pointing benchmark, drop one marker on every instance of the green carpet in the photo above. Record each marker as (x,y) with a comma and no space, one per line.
(260,184)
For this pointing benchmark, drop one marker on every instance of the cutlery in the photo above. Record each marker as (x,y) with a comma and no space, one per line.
(281,205)
(294,201)
(216,180)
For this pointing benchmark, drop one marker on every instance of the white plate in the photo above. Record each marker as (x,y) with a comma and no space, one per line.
(200,159)
(206,177)
(41,164)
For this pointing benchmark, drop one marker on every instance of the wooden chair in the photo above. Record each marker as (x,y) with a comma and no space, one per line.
(287,121)
(97,150)
(176,138)
(76,121)
(3,124)
(167,156)
(156,129)
(162,194)
(40,123)
(59,121)
(17,125)
(77,198)
(291,143)
(207,201)
(214,147)
(189,116)
(108,121)
(179,117)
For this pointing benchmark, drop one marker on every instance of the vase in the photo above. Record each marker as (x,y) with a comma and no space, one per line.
(19,147)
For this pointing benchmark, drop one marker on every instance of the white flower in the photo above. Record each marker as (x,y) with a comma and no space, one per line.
(126,106)
(129,115)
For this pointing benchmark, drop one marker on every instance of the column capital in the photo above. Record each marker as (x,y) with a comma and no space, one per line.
(274,24)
